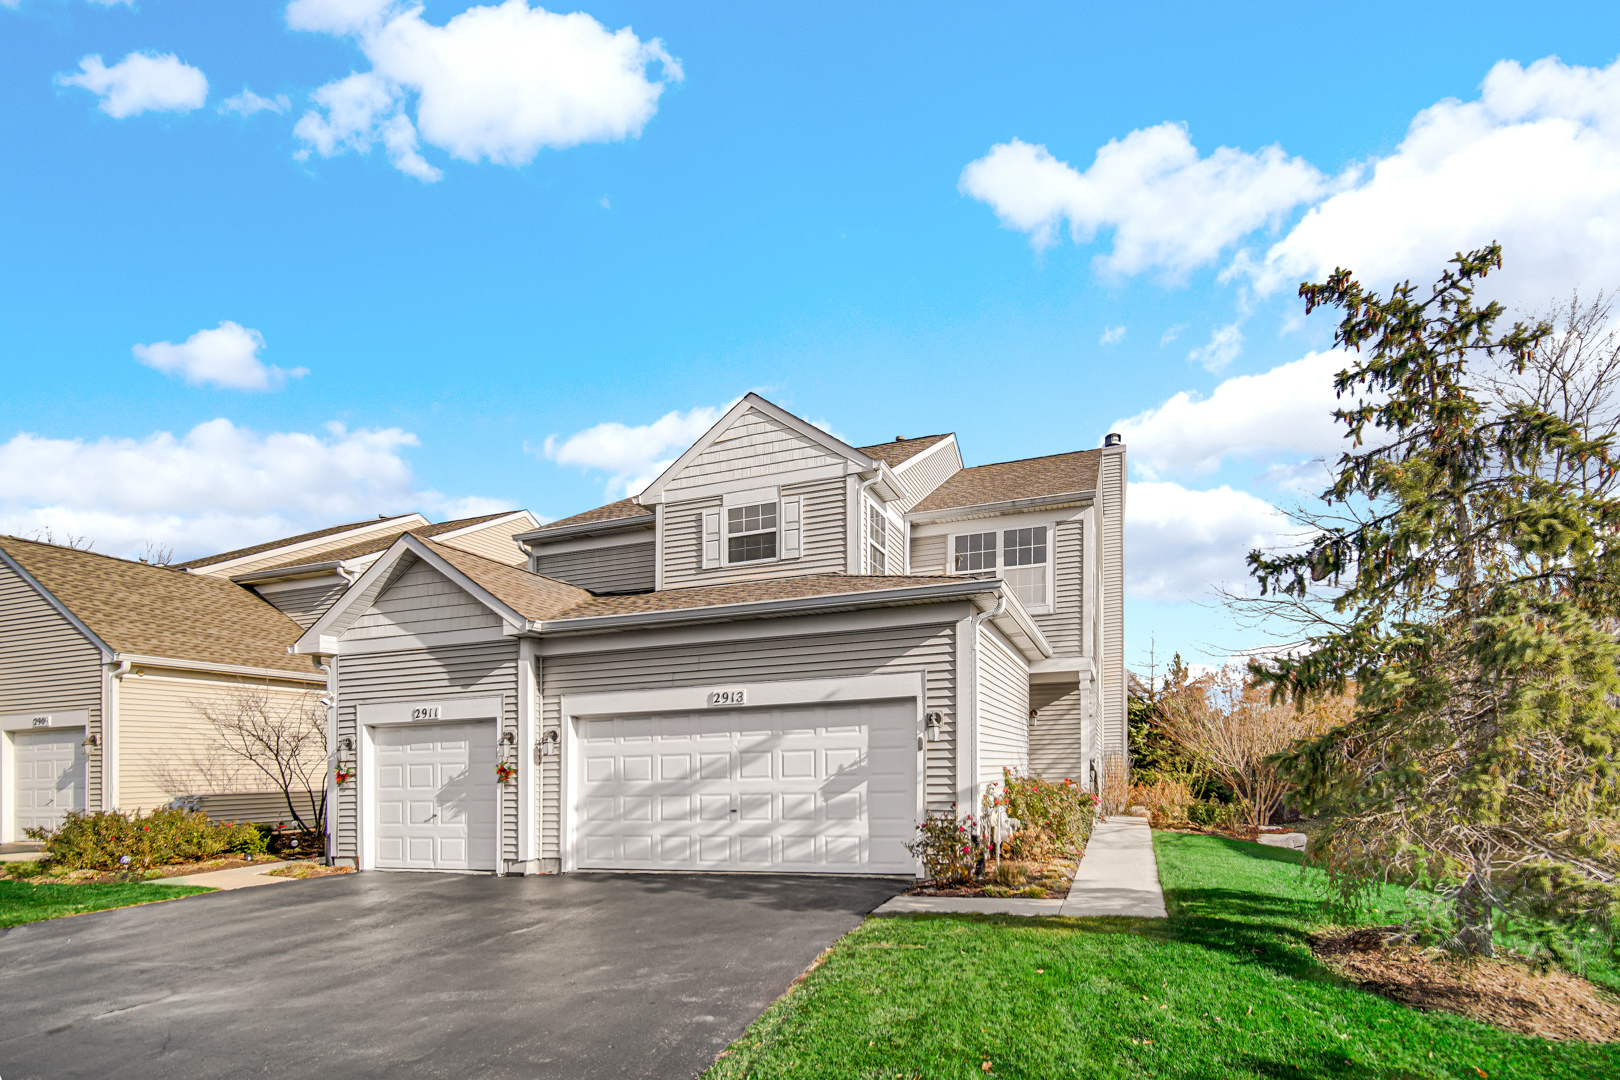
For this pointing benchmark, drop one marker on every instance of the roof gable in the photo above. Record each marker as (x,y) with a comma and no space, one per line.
(753,440)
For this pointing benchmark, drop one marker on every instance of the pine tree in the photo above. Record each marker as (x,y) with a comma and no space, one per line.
(1477,572)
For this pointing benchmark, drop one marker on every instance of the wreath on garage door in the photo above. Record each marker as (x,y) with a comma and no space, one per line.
(506,771)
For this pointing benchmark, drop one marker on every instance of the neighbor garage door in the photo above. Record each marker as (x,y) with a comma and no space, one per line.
(810,789)
(435,796)
(50,777)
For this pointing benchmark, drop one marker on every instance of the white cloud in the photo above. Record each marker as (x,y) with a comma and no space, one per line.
(1111,334)
(225,356)
(634,456)
(1223,347)
(217,487)
(1287,410)
(141,82)
(247,103)
(1534,163)
(1181,542)
(1168,208)
(496,83)
(1171,333)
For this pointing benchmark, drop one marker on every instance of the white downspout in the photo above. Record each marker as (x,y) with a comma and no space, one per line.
(109,737)
(972,734)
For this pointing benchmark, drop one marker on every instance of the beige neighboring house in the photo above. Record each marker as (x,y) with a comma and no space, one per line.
(781,656)
(104,662)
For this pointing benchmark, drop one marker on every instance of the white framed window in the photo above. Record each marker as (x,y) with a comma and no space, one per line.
(877,540)
(1022,555)
(751,533)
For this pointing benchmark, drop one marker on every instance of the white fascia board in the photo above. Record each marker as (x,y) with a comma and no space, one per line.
(1016,623)
(312,676)
(595,543)
(409,642)
(220,568)
(992,509)
(1051,515)
(271,588)
(288,573)
(534,523)
(654,492)
(319,637)
(948,442)
(787,692)
(548,535)
(61,608)
(755,609)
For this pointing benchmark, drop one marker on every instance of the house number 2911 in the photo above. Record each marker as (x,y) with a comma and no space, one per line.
(425,712)
(726,697)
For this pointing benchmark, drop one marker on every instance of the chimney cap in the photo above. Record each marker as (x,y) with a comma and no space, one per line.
(1113,438)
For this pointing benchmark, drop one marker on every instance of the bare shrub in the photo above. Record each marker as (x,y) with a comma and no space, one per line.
(1116,784)
(278,735)
(1166,799)
(1228,723)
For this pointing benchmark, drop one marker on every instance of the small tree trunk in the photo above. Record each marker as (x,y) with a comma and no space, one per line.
(1474,918)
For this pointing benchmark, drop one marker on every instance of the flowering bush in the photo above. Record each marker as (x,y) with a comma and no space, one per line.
(1054,819)
(949,849)
(112,840)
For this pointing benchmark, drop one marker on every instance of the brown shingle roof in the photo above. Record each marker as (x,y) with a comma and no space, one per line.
(743,593)
(534,596)
(271,545)
(902,449)
(624,508)
(1030,478)
(158,611)
(377,542)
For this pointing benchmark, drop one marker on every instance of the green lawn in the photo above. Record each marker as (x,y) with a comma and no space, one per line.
(22,902)
(1226,987)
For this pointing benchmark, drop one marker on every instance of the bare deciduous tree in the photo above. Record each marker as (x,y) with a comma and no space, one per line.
(67,540)
(156,554)
(1228,724)
(281,736)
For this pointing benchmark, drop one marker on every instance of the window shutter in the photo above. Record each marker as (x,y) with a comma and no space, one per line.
(711,539)
(790,527)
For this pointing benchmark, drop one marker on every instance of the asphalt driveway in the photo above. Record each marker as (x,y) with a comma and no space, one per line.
(417,975)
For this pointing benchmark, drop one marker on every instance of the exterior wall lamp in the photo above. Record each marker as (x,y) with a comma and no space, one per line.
(936,721)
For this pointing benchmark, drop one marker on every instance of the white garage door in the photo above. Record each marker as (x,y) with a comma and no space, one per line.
(807,789)
(435,796)
(50,777)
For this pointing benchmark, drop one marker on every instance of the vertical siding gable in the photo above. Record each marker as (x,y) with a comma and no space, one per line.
(421,601)
(753,446)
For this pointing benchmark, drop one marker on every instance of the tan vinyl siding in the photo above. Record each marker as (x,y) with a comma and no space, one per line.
(928,554)
(304,606)
(1003,707)
(47,665)
(620,568)
(480,670)
(754,445)
(824,545)
(927,471)
(1057,740)
(266,807)
(1062,625)
(167,749)
(1111,650)
(493,541)
(421,601)
(929,649)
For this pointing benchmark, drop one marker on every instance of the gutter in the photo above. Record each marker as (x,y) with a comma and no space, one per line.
(125,660)
(289,573)
(585,528)
(1034,502)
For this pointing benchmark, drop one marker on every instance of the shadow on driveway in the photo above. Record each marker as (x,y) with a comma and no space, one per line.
(418,975)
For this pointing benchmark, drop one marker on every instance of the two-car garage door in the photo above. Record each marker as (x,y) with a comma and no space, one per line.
(805,788)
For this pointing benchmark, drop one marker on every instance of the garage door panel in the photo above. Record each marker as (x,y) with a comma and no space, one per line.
(788,789)
(49,777)
(434,804)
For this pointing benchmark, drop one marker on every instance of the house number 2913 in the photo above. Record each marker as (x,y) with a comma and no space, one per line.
(727,697)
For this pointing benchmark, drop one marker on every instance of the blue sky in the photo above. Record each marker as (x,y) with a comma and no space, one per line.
(692,201)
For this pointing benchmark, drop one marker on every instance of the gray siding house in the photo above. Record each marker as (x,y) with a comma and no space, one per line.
(780,656)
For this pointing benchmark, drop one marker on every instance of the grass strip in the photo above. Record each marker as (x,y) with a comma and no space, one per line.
(25,902)
(1225,987)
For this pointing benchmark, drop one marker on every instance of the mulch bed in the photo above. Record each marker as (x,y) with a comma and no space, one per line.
(107,877)
(1509,995)
(304,870)
(1044,881)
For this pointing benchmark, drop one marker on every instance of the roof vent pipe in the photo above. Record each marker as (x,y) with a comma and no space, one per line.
(1112,439)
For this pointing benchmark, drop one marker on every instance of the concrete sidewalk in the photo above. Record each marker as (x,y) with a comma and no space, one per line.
(1118,875)
(237,877)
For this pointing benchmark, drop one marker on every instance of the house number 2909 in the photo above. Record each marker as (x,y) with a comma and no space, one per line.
(726,697)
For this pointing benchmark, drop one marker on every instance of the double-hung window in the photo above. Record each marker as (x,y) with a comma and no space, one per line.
(877,541)
(1020,554)
(750,532)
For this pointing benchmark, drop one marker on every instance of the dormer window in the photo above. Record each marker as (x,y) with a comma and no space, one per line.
(750,532)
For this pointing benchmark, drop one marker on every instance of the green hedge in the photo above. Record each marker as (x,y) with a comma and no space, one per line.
(104,840)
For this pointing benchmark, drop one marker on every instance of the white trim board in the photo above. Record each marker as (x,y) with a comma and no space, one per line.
(446,710)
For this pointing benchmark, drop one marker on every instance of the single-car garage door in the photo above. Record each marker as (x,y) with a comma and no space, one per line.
(805,789)
(50,777)
(435,796)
